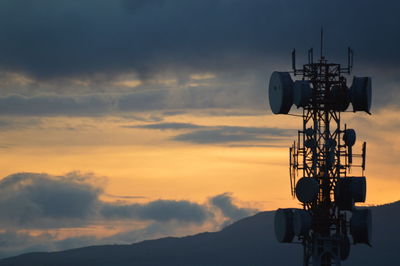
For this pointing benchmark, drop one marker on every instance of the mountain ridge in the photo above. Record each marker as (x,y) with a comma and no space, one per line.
(249,241)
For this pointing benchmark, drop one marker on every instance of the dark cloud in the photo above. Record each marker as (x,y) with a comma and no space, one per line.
(227,134)
(219,134)
(50,40)
(186,97)
(241,42)
(215,136)
(39,200)
(43,202)
(145,118)
(159,210)
(30,200)
(165,210)
(170,101)
(9,123)
(143,101)
(168,126)
(51,105)
(123,196)
(224,203)
(84,105)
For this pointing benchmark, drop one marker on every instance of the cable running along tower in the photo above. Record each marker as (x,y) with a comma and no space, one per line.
(321,160)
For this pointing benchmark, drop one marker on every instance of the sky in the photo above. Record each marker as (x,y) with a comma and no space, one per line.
(129,120)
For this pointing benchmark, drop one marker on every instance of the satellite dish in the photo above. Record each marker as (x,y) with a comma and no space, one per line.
(280,92)
(339,98)
(301,222)
(361,226)
(309,132)
(344,194)
(310,143)
(349,137)
(284,225)
(307,189)
(361,94)
(302,93)
(344,247)
(359,188)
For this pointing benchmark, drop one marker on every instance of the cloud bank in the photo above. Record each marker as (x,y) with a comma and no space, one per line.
(33,201)
(71,39)
(85,46)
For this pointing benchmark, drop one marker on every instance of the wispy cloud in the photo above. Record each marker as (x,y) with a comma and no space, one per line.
(200,134)
(168,126)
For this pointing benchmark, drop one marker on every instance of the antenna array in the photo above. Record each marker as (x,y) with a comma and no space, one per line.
(321,160)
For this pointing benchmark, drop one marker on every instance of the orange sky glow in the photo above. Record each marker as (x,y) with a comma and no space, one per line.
(148,164)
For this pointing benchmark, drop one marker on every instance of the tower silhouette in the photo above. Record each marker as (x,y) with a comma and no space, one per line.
(321,160)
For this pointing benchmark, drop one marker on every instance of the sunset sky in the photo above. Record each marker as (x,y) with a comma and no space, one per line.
(128,120)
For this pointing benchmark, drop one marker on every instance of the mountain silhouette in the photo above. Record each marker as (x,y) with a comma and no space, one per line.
(250,241)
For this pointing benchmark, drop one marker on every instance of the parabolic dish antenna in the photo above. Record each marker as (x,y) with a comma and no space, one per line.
(361,94)
(349,190)
(359,188)
(344,194)
(307,189)
(280,92)
(301,222)
(361,226)
(339,98)
(349,137)
(309,131)
(302,93)
(284,225)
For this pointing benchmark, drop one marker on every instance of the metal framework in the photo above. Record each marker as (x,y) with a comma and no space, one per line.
(320,153)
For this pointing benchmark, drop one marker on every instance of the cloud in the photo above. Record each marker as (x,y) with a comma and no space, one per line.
(100,104)
(71,39)
(224,202)
(200,134)
(96,42)
(159,210)
(31,200)
(220,134)
(36,208)
(50,105)
(227,134)
(168,126)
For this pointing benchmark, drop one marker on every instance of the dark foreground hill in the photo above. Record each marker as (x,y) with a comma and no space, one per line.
(249,241)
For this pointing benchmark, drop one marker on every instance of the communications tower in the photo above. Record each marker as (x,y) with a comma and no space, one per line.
(321,160)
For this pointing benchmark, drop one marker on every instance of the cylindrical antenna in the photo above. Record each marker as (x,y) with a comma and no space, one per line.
(322,42)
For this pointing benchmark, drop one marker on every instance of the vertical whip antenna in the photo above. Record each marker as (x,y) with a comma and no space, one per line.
(322,42)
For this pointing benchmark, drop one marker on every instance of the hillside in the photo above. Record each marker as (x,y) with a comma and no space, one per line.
(249,241)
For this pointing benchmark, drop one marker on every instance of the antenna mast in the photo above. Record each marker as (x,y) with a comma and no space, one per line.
(321,160)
